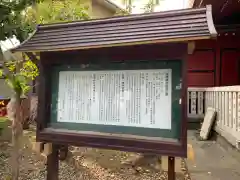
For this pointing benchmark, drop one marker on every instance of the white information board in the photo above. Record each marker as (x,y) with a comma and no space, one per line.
(135,98)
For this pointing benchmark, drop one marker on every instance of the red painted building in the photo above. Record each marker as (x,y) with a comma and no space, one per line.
(217,62)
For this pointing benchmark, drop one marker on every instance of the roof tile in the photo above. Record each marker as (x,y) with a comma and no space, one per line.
(153,27)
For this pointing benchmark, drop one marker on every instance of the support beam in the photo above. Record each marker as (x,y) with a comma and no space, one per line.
(171,168)
(53,163)
(191,47)
(177,164)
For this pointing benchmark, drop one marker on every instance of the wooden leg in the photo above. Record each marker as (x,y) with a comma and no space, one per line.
(171,168)
(53,163)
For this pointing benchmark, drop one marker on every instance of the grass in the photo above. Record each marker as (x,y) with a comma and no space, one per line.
(3,119)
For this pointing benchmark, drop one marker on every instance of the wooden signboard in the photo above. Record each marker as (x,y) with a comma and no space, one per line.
(117,83)
(128,105)
(132,101)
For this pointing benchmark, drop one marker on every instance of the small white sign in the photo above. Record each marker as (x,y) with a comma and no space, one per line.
(135,98)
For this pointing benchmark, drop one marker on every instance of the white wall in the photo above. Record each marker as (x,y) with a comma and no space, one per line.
(9,43)
(164,5)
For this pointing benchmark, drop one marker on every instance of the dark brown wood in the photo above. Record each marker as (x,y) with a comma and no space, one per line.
(117,143)
(171,168)
(183,137)
(117,54)
(44,97)
(53,163)
(41,101)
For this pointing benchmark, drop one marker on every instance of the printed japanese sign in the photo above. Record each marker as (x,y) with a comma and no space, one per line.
(135,98)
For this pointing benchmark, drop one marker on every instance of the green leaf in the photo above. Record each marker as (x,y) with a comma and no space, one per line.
(19,17)
(1,73)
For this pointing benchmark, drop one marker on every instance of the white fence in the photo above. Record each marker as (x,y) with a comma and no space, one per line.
(195,102)
(226,102)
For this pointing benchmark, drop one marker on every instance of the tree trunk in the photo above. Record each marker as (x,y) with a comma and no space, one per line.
(15,155)
(15,115)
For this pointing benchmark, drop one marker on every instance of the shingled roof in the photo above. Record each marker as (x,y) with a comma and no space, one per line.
(160,27)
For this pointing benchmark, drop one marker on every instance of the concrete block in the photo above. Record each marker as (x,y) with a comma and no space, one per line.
(178,164)
(47,149)
(207,123)
(37,146)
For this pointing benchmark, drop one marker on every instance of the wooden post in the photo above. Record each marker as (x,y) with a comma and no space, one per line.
(171,168)
(53,163)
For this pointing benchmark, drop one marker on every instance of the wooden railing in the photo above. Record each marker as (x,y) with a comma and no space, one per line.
(226,102)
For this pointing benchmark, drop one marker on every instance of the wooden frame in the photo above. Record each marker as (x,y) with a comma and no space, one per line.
(157,51)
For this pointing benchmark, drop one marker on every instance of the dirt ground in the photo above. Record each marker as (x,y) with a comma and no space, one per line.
(87,164)
(122,165)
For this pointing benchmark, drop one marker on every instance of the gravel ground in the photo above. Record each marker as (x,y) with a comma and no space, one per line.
(87,164)
(118,165)
(32,166)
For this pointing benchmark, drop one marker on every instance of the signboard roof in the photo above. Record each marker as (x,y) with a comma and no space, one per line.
(159,27)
